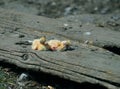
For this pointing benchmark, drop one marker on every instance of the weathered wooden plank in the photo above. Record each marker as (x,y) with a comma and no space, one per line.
(104,29)
(85,63)
(78,26)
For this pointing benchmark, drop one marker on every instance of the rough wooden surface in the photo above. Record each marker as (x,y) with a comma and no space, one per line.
(83,63)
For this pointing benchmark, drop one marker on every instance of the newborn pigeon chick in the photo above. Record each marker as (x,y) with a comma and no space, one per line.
(54,45)
(57,45)
(39,44)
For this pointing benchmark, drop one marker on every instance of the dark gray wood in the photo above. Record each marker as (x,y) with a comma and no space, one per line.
(83,63)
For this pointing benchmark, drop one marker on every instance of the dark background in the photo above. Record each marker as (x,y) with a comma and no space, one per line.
(59,8)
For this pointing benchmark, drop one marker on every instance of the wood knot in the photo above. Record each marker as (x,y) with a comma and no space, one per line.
(25,57)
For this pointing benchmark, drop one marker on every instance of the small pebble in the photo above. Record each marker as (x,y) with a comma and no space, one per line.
(50,87)
(86,42)
(23,77)
(65,24)
(29,41)
(87,33)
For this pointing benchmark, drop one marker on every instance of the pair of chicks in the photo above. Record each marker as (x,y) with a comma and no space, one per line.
(53,45)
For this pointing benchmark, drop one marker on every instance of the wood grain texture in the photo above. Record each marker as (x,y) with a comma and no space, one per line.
(82,63)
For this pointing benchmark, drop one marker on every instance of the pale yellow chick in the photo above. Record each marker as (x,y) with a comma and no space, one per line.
(57,45)
(39,44)
(54,45)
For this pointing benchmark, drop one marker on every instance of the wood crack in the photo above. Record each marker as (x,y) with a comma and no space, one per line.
(38,64)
